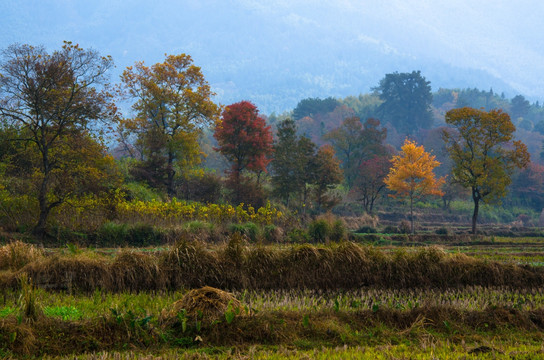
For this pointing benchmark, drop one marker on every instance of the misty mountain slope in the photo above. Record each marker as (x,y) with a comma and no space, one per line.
(276,53)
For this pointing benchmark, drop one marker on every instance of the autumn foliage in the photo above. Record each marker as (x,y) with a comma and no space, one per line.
(411,175)
(483,153)
(172,101)
(244,139)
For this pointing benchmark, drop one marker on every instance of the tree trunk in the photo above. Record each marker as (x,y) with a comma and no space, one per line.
(39,229)
(170,176)
(476,199)
(412,214)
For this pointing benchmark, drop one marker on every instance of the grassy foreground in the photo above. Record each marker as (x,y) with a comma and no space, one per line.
(336,301)
(39,323)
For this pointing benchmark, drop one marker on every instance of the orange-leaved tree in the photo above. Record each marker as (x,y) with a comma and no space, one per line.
(411,175)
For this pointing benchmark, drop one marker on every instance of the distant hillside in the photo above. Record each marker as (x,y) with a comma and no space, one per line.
(271,55)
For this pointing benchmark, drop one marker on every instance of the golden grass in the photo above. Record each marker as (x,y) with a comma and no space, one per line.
(17,254)
(238,265)
(206,304)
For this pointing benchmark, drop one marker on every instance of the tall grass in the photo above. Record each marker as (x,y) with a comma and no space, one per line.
(236,265)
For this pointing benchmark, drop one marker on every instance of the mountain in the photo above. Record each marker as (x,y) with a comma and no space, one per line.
(275,53)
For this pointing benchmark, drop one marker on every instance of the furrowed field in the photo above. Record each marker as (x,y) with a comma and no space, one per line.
(374,295)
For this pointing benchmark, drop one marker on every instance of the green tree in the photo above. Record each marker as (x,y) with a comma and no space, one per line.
(483,153)
(172,104)
(285,165)
(313,106)
(519,107)
(406,103)
(328,173)
(52,99)
(307,162)
(294,164)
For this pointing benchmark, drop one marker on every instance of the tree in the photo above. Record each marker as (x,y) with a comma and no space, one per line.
(52,100)
(406,99)
(483,153)
(355,143)
(308,165)
(286,164)
(528,187)
(244,139)
(294,164)
(313,106)
(519,107)
(370,181)
(411,175)
(172,104)
(328,173)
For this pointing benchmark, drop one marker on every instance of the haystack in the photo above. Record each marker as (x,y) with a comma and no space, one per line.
(206,305)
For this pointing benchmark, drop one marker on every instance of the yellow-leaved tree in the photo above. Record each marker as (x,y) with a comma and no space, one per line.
(484,154)
(173,103)
(411,175)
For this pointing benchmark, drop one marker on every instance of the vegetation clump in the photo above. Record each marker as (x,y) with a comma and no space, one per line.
(206,304)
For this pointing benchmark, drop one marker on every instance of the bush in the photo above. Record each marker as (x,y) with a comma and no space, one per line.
(442,231)
(273,233)
(249,229)
(113,234)
(196,227)
(338,231)
(297,236)
(405,227)
(319,230)
(205,188)
(389,229)
(140,191)
(144,235)
(366,230)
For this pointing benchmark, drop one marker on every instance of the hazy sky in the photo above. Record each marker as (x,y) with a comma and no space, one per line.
(311,47)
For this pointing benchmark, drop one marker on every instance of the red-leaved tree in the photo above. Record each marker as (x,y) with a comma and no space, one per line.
(244,139)
(369,183)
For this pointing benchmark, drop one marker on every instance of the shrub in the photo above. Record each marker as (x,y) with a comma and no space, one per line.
(319,230)
(112,234)
(205,188)
(298,236)
(366,230)
(273,233)
(404,227)
(389,229)
(196,227)
(144,235)
(249,229)
(338,231)
(140,191)
(442,231)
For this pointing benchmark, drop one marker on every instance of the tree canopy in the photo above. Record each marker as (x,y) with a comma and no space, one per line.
(483,153)
(411,175)
(244,139)
(314,106)
(172,101)
(52,100)
(406,103)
